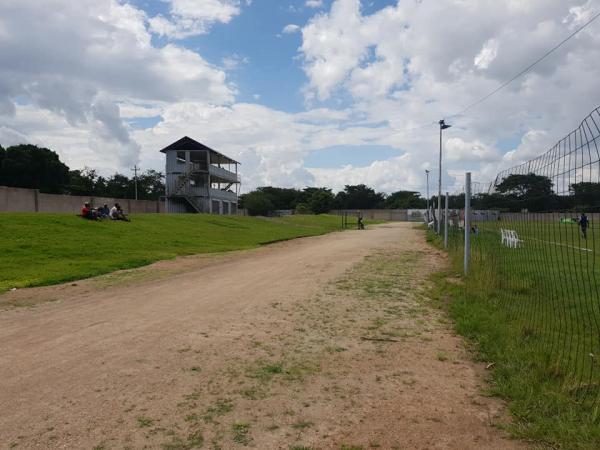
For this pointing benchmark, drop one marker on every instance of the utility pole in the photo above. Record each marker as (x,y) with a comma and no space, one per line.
(135,172)
(427,174)
(443,126)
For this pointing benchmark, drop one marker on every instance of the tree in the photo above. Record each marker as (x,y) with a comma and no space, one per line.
(532,192)
(321,200)
(86,182)
(526,186)
(29,166)
(151,185)
(359,197)
(257,203)
(585,194)
(405,200)
(281,198)
(119,186)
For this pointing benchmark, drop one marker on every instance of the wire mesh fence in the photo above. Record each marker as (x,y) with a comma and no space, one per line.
(535,243)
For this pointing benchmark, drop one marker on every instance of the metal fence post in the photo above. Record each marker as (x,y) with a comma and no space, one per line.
(467,221)
(446,223)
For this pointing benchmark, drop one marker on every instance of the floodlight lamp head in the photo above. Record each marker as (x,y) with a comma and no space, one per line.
(443,125)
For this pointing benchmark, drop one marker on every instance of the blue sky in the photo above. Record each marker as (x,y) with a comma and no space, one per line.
(339,100)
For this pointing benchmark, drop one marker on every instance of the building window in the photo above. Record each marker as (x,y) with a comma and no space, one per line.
(199,180)
(180,157)
(199,158)
(216,207)
(226,208)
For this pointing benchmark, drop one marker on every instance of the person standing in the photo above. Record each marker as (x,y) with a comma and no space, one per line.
(584,223)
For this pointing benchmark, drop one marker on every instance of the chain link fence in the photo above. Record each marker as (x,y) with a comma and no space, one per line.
(535,240)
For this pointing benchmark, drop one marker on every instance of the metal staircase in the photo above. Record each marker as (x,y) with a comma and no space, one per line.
(183,188)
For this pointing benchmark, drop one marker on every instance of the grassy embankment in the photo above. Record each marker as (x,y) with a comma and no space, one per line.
(41,249)
(533,313)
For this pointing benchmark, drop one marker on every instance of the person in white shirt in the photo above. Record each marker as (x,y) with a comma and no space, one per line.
(114,212)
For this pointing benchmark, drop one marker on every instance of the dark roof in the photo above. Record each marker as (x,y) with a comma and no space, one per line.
(187,143)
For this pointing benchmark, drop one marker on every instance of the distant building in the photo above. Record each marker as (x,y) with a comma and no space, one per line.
(200,179)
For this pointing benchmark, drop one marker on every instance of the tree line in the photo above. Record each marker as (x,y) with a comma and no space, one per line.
(534,193)
(29,166)
(33,167)
(265,200)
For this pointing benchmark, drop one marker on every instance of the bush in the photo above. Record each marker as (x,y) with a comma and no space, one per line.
(302,208)
(258,204)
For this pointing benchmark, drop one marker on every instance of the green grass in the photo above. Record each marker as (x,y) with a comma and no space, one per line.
(534,312)
(42,249)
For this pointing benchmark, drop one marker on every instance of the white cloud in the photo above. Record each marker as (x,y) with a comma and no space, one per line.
(313,3)
(433,68)
(194,17)
(458,150)
(487,54)
(290,29)
(234,61)
(372,80)
(85,70)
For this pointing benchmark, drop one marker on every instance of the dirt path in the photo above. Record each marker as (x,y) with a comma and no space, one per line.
(321,343)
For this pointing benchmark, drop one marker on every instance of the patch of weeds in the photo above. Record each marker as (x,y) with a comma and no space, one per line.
(195,369)
(336,349)
(272,427)
(252,393)
(193,396)
(144,422)
(441,356)
(300,447)
(241,431)
(351,447)
(193,418)
(195,439)
(298,371)
(302,425)
(377,323)
(266,372)
(220,408)
(184,349)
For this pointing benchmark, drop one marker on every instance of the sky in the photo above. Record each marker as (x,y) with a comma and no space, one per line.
(301,92)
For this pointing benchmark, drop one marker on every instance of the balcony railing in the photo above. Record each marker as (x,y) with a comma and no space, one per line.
(224,174)
(218,194)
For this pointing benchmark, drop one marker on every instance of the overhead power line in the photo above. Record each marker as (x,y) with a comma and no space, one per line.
(528,68)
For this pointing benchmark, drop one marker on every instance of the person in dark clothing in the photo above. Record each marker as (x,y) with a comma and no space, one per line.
(361,225)
(103,211)
(584,223)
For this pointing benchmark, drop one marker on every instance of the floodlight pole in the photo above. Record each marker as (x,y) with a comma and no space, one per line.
(446,222)
(428,218)
(443,126)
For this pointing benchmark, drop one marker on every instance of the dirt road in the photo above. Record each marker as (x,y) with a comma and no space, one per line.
(322,342)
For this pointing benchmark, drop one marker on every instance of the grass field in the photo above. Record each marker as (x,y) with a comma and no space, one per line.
(40,249)
(534,312)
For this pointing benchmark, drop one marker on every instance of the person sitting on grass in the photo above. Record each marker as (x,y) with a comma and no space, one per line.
(104,212)
(116,213)
(88,213)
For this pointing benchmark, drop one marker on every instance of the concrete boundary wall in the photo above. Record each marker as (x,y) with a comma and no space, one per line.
(31,200)
(392,215)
